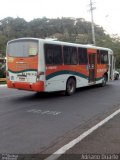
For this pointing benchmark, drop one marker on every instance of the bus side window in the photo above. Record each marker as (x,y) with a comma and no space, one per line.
(82,54)
(53,54)
(48,54)
(70,55)
(57,56)
(66,55)
(74,59)
(104,56)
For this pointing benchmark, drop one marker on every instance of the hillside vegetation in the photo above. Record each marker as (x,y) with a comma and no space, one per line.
(64,29)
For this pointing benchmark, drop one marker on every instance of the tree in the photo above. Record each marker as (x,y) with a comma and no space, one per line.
(75,30)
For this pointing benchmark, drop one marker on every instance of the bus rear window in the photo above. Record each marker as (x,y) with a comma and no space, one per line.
(23,48)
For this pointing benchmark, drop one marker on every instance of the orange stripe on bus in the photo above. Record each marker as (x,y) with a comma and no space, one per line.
(38,86)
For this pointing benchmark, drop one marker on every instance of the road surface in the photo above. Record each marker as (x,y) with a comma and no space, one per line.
(32,123)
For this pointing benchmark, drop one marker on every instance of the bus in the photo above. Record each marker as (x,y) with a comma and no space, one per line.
(43,65)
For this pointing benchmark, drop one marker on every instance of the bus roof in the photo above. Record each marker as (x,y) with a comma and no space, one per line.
(52,41)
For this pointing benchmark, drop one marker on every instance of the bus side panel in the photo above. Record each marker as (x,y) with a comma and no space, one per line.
(101,69)
(57,76)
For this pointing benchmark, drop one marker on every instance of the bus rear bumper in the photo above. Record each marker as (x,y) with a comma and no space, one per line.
(38,86)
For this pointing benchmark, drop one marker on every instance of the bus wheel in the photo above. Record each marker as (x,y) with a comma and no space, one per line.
(104,81)
(70,86)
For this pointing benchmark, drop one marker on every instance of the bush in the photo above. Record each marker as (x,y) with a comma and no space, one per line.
(2,73)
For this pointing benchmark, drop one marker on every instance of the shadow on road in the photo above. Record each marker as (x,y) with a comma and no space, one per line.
(56,95)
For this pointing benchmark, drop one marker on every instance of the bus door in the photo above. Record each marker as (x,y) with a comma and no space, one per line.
(92,67)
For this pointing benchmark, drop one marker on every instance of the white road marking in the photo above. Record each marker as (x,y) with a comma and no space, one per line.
(42,112)
(71,144)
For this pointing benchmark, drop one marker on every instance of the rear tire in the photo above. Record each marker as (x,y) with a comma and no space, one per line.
(70,86)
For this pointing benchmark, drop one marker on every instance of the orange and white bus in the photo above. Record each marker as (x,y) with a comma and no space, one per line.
(43,65)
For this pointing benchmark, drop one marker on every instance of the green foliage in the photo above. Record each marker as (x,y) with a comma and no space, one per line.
(64,29)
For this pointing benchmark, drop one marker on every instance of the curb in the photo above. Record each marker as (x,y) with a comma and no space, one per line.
(3,85)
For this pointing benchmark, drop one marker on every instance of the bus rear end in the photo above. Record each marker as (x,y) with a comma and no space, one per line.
(22,65)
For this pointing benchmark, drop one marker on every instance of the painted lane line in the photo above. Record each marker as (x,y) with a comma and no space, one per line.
(71,144)
(43,112)
(3,85)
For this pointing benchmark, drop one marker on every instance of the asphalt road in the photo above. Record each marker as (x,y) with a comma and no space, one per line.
(103,144)
(32,123)
(105,140)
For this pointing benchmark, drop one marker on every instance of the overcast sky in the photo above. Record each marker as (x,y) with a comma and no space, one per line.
(106,14)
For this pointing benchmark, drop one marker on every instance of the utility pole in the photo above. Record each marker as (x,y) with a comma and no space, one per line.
(92,22)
